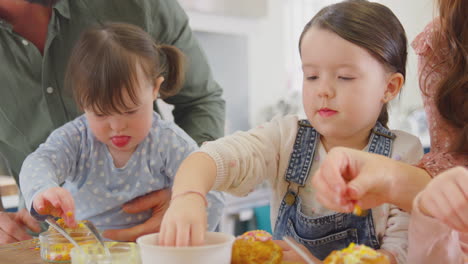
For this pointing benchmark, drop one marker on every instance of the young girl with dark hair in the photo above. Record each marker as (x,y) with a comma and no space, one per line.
(120,148)
(353,58)
(438,231)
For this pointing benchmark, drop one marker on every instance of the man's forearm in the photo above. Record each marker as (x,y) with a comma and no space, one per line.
(203,121)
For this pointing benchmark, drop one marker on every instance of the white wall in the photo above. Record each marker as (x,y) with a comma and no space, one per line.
(265,56)
(246,54)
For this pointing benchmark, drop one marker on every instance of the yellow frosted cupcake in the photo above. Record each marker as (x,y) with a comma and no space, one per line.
(256,247)
(356,254)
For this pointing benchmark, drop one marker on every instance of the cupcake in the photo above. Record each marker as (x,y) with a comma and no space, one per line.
(356,254)
(256,247)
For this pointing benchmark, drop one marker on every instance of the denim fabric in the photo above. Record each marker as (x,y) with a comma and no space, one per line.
(323,234)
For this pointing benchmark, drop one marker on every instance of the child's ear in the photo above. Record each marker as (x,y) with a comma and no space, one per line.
(157,86)
(394,84)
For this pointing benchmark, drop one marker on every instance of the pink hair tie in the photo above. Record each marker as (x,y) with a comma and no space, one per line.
(190,192)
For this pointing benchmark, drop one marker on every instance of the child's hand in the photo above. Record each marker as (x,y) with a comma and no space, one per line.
(446,198)
(58,202)
(185,222)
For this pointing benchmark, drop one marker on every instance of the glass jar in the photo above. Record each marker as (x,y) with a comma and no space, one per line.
(56,249)
(121,253)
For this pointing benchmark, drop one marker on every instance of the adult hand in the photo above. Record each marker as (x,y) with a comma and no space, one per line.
(157,201)
(349,176)
(446,198)
(13,226)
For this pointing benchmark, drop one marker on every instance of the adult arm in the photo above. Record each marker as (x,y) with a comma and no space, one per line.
(198,108)
(368,178)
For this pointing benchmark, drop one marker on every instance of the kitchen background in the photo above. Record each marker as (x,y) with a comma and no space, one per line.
(252,48)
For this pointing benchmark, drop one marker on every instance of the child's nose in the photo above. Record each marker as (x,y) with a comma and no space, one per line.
(326,89)
(118,124)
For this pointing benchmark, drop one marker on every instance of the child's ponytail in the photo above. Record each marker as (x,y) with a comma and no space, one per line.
(172,68)
(103,68)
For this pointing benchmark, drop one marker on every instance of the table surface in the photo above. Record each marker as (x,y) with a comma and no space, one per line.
(24,252)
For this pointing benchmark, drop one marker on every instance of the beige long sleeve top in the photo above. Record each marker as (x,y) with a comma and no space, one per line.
(246,159)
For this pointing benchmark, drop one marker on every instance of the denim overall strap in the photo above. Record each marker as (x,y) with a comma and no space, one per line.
(298,170)
(302,154)
(381,140)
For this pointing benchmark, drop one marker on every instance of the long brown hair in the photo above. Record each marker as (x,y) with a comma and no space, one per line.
(450,45)
(103,65)
(371,26)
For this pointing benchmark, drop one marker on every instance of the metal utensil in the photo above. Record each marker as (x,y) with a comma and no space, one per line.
(299,250)
(63,232)
(98,237)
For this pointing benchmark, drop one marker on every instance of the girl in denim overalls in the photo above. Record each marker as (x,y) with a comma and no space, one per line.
(353,58)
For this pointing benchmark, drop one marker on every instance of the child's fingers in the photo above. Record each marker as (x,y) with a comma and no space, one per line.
(56,200)
(162,232)
(67,207)
(52,202)
(39,204)
(183,235)
(197,234)
(169,235)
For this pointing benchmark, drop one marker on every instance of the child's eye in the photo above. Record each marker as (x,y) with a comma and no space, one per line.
(131,112)
(346,78)
(99,115)
(311,78)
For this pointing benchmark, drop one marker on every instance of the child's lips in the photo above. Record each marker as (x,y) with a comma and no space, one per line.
(327,112)
(120,141)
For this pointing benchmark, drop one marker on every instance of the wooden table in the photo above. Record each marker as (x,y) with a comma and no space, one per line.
(24,252)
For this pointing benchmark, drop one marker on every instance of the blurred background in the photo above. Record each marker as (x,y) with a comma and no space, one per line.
(252,47)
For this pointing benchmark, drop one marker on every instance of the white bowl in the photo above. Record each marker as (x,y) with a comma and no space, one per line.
(217,249)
